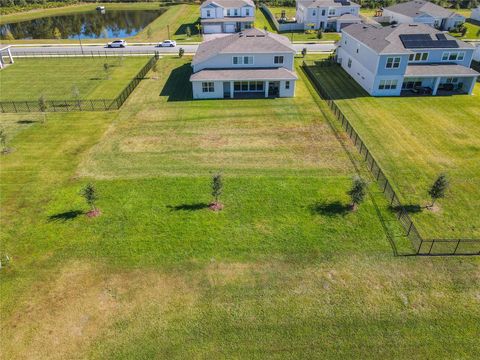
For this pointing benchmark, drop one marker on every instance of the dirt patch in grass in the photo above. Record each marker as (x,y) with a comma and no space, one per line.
(66,313)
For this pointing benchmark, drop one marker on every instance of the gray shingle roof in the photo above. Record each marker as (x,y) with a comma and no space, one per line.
(243,74)
(229,3)
(418,7)
(228,19)
(326,3)
(251,41)
(439,70)
(386,40)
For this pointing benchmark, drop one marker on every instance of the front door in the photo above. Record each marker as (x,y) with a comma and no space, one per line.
(273,88)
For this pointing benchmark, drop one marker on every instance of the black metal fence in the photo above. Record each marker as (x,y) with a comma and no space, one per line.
(422,246)
(69,52)
(78,105)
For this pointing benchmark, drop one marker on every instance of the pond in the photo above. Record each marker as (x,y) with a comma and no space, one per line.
(88,25)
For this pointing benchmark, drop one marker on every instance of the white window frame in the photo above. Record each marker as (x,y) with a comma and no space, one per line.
(394,62)
(459,56)
(287,85)
(208,13)
(278,59)
(241,60)
(331,11)
(250,86)
(349,63)
(208,87)
(388,84)
(247,12)
(235,12)
(228,12)
(422,57)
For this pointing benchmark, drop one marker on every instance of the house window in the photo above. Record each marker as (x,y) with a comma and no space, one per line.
(418,56)
(314,13)
(236,12)
(349,63)
(237,60)
(393,63)
(387,85)
(228,12)
(208,87)
(208,13)
(287,85)
(278,59)
(331,12)
(357,51)
(451,80)
(247,12)
(248,60)
(323,12)
(248,86)
(453,56)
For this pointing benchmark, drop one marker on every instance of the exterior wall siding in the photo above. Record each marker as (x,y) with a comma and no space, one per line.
(199,94)
(259,60)
(362,75)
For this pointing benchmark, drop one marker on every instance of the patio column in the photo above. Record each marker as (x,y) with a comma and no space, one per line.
(10,56)
(231,89)
(472,85)
(435,85)
(265,87)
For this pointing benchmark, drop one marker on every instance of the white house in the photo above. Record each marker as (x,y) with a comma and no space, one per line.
(226,16)
(423,12)
(327,14)
(252,63)
(475,14)
(406,59)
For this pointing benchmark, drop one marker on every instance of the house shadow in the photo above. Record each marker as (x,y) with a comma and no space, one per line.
(182,29)
(65,216)
(335,208)
(178,86)
(188,207)
(410,208)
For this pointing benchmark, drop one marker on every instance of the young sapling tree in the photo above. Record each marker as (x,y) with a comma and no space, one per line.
(3,141)
(89,193)
(42,106)
(438,189)
(217,189)
(357,192)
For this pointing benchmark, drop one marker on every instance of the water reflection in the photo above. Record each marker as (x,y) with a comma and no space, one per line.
(89,25)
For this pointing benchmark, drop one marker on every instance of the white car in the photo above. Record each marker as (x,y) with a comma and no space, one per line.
(168,43)
(117,44)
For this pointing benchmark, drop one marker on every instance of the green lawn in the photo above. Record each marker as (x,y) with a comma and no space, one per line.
(284,271)
(415,139)
(473,31)
(60,78)
(172,23)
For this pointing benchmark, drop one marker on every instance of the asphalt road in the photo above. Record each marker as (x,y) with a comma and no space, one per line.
(45,50)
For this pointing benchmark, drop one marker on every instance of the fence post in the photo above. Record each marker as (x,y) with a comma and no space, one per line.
(456,247)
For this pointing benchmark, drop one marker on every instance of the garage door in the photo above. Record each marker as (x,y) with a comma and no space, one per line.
(230,28)
(212,29)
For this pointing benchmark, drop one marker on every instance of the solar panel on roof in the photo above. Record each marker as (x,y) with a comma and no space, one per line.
(441,36)
(425,41)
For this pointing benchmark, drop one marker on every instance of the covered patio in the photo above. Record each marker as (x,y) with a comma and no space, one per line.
(243,83)
(438,79)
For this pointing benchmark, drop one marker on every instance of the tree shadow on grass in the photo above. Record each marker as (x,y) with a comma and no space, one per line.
(411,208)
(335,208)
(65,216)
(188,207)
(178,87)
(26,122)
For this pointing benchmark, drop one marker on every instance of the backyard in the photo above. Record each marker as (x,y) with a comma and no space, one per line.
(414,146)
(285,270)
(68,78)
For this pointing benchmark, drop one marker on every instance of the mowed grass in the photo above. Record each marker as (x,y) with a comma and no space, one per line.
(415,139)
(284,271)
(68,78)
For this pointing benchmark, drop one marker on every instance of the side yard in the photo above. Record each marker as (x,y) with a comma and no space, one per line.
(415,139)
(68,78)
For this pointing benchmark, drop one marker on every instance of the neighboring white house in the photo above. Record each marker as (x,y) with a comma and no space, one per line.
(252,63)
(406,59)
(327,14)
(423,12)
(475,14)
(476,54)
(226,16)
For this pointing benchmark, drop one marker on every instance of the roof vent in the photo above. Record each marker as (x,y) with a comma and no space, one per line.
(412,25)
